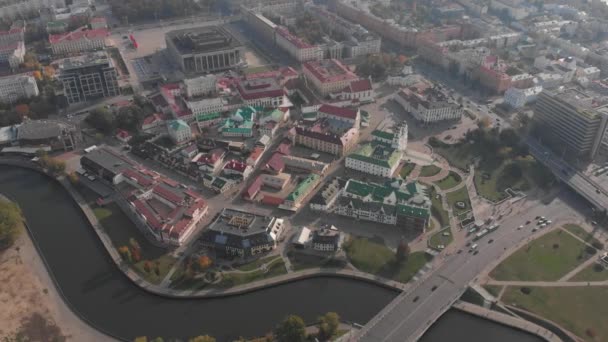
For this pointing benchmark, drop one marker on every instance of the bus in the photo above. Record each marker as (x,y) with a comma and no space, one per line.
(481,234)
(493,227)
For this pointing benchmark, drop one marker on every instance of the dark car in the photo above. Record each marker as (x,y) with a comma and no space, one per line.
(527,222)
(475,253)
(415,299)
(491,240)
(433,288)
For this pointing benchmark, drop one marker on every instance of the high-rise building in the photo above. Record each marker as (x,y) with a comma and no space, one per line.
(88,77)
(571,122)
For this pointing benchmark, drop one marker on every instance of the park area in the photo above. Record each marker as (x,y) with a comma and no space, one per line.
(406,170)
(440,214)
(450,181)
(429,170)
(150,261)
(375,258)
(441,239)
(501,162)
(581,310)
(547,258)
(459,201)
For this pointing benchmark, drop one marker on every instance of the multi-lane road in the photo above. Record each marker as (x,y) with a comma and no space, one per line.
(412,312)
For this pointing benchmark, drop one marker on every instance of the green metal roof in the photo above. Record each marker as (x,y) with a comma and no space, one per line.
(178,125)
(208,116)
(407,210)
(383,135)
(302,188)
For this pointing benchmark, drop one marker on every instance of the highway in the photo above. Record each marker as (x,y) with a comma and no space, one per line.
(569,175)
(413,312)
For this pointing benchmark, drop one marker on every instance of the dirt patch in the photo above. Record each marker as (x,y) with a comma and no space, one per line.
(25,313)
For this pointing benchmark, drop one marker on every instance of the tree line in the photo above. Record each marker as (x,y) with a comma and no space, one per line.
(142,10)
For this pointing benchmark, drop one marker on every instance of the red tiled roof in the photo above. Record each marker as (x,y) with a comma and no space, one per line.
(179,228)
(338,111)
(256,153)
(193,194)
(284,147)
(143,210)
(137,177)
(254,188)
(170,182)
(298,42)
(200,204)
(235,165)
(272,200)
(167,194)
(327,137)
(360,85)
(329,70)
(276,162)
(81,33)
(254,90)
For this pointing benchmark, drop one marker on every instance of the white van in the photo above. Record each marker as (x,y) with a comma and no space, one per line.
(474,247)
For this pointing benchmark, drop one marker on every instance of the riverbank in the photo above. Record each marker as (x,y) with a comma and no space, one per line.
(209,292)
(32,307)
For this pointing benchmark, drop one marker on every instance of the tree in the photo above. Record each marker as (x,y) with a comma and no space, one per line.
(125,253)
(291,329)
(48,72)
(37,75)
(22,109)
(10,221)
(56,166)
(202,338)
(73,178)
(403,251)
(147,266)
(328,325)
(204,262)
(101,119)
(158,339)
(129,118)
(513,171)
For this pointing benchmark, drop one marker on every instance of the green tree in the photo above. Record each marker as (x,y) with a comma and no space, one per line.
(328,325)
(10,221)
(203,338)
(513,171)
(291,329)
(158,339)
(129,118)
(101,119)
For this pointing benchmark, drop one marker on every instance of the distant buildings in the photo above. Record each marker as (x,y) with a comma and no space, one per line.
(517,98)
(12,54)
(335,131)
(199,86)
(79,40)
(265,92)
(428,106)
(13,88)
(13,9)
(242,234)
(88,77)
(296,47)
(204,49)
(40,134)
(571,122)
(328,76)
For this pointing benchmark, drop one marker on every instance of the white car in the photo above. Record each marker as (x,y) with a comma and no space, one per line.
(548,222)
(520,227)
(440,247)
(445,234)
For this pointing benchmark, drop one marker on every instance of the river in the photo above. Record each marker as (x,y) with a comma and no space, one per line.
(95,288)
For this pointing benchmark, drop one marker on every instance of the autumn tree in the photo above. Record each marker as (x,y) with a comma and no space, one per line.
(125,253)
(204,262)
(291,329)
(37,75)
(73,178)
(328,325)
(202,338)
(147,266)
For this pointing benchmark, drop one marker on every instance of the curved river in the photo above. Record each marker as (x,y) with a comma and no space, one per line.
(95,288)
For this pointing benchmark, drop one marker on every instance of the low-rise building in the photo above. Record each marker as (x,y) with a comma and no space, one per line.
(325,198)
(328,75)
(517,98)
(375,159)
(264,92)
(79,40)
(429,106)
(296,47)
(13,88)
(326,240)
(242,234)
(294,200)
(179,131)
(207,120)
(12,54)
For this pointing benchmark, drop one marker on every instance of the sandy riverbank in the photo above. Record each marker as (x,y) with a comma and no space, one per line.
(31,305)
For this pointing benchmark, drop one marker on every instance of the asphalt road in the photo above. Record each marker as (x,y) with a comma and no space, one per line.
(411,313)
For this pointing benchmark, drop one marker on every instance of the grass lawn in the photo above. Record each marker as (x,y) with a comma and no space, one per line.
(584,235)
(450,181)
(407,169)
(582,310)
(439,239)
(429,170)
(233,279)
(257,69)
(486,184)
(256,263)
(300,261)
(547,258)
(375,258)
(593,272)
(460,195)
(165,263)
(440,214)
(494,290)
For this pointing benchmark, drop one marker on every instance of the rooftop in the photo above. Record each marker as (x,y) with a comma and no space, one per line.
(329,70)
(202,39)
(80,33)
(377,154)
(86,60)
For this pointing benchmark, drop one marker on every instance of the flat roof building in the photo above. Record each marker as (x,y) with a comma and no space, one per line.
(570,122)
(204,49)
(88,77)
